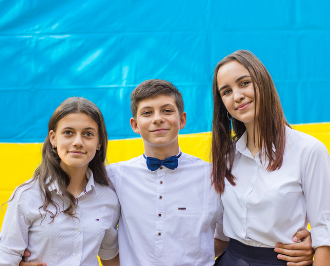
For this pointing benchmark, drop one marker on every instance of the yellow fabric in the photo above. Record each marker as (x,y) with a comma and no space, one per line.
(18,161)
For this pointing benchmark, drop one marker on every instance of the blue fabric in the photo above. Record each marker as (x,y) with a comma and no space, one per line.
(153,163)
(51,50)
(238,254)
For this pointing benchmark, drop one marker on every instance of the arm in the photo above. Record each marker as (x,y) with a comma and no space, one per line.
(112,262)
(14,232)
(219,246)
(299,253)
(108,251)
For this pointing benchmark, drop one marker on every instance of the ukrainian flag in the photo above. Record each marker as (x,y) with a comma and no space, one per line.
(102,50)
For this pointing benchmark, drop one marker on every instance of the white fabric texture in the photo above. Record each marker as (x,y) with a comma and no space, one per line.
(66,240)
(168,217)
(269,207)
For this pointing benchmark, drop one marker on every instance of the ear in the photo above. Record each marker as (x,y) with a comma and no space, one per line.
(98,147)
(52,138)
(183,119)
(134,125)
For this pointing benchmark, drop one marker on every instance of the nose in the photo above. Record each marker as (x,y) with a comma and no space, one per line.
(238,95)
(78,142)
(157,118)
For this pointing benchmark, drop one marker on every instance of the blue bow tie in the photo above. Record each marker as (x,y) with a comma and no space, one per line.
(171,162)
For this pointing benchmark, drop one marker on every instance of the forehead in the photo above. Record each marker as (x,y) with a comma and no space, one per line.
(157,102)
(231,71)
(77,120)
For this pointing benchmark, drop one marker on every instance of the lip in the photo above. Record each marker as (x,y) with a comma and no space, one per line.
(78,153)
(159,131)
(243,106)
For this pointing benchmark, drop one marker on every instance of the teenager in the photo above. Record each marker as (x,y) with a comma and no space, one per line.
(274,180)
(67,214)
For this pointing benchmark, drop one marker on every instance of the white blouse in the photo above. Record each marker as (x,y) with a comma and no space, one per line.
(269,207)
(66,240)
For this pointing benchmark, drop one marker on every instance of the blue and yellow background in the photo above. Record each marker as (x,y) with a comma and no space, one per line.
(101,50)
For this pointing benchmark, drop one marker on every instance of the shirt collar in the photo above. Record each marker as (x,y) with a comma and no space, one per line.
(90,183)
(241,144)
(145,156)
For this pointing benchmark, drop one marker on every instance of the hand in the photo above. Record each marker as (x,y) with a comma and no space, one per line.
(297,254)
(28,254)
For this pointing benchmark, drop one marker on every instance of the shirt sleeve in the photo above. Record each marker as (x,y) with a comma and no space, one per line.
(219,224)
(316,185)
(14,232)
(109,246)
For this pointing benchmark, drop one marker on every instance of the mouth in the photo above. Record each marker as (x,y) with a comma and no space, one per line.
(243,106)
(160,130)
(78,153)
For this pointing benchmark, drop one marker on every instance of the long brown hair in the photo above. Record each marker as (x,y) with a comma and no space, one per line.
(49,172)
(270,122)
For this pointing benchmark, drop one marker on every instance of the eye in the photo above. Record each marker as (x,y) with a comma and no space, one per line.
(89,134)
(67,132)
(146,113)
(245,83)
(226,91)
(168,111)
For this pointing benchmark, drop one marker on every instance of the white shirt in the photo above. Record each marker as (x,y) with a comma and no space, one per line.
(168,217)
(66,241)
(269,207)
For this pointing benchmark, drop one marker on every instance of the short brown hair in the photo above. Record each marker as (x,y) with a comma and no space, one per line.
(152,88)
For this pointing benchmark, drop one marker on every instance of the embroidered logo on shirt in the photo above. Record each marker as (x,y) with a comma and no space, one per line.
(97,220)
(181,209)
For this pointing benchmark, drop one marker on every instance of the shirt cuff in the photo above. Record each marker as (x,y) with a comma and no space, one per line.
(108,254)
(321,236)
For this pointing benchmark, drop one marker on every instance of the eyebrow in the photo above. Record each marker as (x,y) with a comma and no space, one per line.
(87,128)
(148,107)
(237,80)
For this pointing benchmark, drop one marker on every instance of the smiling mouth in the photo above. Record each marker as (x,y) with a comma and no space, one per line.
(77,152)
(161,130)
(243,106)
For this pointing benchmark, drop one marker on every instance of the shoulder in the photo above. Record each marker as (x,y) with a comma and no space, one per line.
(28,189)
(303,142)
(114,168)
(192,161)
(106,194)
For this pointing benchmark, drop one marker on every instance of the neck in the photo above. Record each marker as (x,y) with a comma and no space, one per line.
(252,139)
(161,152)
(78,181)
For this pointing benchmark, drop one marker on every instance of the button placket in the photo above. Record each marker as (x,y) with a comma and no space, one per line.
(78,237)
(161,172)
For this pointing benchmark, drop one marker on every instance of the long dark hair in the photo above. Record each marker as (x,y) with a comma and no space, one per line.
(49,172)
(270,122)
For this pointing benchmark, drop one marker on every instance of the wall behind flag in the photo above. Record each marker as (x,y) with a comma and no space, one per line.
(102,50)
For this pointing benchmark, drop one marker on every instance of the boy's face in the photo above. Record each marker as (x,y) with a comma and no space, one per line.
(158,121)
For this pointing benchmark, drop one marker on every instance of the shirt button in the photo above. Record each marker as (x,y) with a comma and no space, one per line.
(161,167)
(159,214)
(160,197)
(159,233)
(161,182)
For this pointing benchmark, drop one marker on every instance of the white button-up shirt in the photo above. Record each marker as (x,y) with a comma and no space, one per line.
(168,217)
(66,240)
(269,207)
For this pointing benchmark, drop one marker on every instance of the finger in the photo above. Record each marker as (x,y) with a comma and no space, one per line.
(301,260)
(27,253)
(301,235)
(22,263)
(295,246)
(303,263)
(293,253)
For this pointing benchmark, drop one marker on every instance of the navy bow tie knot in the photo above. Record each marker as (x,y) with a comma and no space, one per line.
(153,163)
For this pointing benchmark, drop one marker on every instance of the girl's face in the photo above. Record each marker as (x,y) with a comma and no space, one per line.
(76,139)
(237,92)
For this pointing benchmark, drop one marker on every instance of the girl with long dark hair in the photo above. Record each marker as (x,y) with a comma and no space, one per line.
(66,214)
(274,180)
